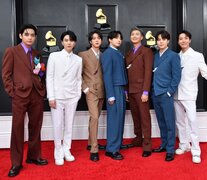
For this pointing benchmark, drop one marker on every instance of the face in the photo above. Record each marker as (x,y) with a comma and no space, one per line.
(96,41)
(68,44)
(115,42)
(136,37)
(184,41)
(28,37)
(162,43)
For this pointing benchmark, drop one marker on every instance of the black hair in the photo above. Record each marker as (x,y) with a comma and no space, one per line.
(71,35)
(164,34)
(114,34)
(27,26)
(137,29)
(90,35)
(187,33)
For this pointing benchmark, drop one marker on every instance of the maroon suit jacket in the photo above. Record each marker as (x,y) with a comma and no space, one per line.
(140,71)
(17,73)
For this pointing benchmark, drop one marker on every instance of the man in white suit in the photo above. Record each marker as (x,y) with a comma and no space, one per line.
(63,79)
(192,63)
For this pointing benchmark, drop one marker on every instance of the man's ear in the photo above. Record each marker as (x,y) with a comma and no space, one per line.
(20,36)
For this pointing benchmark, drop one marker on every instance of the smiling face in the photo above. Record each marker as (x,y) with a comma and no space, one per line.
(28,37)
(68,44)
(184,41)
(136,37)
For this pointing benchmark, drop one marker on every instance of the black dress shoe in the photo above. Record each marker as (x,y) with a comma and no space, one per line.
(124,146)
(94,157)
(14,171)
(169,157)
(114,155)
(40,161)
(100,147)
(159,150)
(146,153)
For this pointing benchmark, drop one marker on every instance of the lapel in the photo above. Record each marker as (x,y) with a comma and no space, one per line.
(22,56)
(93,58)
(133,56)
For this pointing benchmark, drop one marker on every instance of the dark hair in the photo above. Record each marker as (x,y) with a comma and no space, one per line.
(187,33)
(164,34)
(90,35)
(137,29)
(114,34)
(27,26)
(71,35)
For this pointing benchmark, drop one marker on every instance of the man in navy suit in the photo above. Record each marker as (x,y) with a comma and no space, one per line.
(167,74)
(115,79)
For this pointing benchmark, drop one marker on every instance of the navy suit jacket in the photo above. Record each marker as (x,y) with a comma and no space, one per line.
(114,71)
(167,72)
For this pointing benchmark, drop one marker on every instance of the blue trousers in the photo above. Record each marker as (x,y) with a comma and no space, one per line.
(165,113)
(115,120)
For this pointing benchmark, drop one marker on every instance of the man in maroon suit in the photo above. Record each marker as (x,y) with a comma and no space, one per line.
(139,63)
(22,74)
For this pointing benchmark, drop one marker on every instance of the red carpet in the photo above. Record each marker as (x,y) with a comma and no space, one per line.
(134,166)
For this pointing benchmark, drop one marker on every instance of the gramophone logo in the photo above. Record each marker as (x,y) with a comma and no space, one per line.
(150,39)
(101,21)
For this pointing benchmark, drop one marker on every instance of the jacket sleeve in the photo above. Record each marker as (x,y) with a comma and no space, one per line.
(50,77)
(202,66)
(7,72)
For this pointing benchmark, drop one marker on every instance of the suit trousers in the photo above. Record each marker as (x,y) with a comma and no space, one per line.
(62,118)
(33,105)
(95,105)
(165,113)
(115,120)
(187,125)
(142,120)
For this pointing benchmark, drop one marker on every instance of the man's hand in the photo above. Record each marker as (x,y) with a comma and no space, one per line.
(52,104)
(111,102)
(144,98)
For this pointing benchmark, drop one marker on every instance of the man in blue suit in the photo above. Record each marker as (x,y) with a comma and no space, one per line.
(167,74)
(115,79)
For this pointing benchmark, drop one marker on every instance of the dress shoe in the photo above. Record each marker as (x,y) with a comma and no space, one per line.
(146,153)
(14,171)
(180,151)
(169,157)
(196,159)
(124,146)
(94,157)
(159,150)
(40,161)
(68,156)
(100,147)
(59,162)
(114,155)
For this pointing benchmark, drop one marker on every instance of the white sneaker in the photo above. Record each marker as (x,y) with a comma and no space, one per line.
(68,156)
(196,159)
(180,151)
(59,162)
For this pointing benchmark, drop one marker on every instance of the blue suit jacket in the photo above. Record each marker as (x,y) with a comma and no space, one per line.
(114,71)
(167,72)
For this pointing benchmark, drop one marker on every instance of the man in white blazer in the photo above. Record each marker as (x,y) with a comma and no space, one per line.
(63,80)
(192,63)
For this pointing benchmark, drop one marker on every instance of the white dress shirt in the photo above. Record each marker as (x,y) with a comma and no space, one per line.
(63,76)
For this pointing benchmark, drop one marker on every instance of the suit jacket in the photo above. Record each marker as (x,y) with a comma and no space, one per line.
(17,73)
(114,70)
(92,73)
(192,63)
(140,70)
(167,72)
(64,75)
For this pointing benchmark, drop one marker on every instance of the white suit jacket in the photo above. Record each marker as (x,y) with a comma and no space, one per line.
(63,77)
(192,63)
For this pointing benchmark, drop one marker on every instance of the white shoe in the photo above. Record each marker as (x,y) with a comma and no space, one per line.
(59,162)
(196,159)
(68,156)
(180,151)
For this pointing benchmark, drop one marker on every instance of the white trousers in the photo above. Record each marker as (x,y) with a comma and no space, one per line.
(187,125)
(62,118)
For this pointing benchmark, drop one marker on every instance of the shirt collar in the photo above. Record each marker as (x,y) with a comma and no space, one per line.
(163,51)
(26,49)
(66,53)
(113,47)
(96,54)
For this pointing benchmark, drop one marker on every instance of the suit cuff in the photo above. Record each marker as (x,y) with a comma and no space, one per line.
(111,99)
(145,93)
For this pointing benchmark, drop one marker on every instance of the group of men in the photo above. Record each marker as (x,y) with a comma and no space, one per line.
(103,75)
